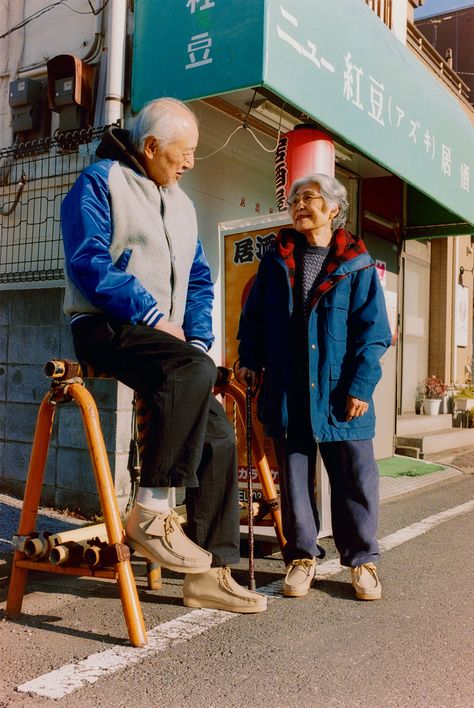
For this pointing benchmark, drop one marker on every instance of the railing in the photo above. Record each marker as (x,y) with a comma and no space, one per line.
(425,50)
(383,9)
(34,178)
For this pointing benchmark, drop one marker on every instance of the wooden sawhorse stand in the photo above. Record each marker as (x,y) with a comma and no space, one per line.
(67,385)
(226,385)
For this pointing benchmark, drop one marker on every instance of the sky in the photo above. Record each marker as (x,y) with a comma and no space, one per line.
(435,7)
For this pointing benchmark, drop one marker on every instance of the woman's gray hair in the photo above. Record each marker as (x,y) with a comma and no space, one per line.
(162,118)
(333,192)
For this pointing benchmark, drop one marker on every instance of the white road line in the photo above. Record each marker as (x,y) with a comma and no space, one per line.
(72,677)
(421,527)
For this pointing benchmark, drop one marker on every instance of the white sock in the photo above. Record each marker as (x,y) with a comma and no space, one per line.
(154,498)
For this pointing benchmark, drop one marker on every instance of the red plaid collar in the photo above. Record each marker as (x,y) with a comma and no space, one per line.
(344,247)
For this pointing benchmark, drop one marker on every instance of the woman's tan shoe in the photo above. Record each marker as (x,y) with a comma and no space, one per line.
(299,576)
(366,583)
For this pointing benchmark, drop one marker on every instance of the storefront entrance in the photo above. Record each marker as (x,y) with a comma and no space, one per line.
(415,306)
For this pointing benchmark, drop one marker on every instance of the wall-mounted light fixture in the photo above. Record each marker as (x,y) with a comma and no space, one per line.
(274,116)
(70,88)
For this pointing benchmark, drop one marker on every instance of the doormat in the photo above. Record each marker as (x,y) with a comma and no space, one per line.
(406,467)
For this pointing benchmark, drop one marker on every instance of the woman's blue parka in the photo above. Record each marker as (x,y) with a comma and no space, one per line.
(348,332)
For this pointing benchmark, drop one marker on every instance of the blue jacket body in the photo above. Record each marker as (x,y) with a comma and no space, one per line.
(348,332)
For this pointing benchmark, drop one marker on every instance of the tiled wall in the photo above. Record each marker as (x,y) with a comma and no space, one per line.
(33,330)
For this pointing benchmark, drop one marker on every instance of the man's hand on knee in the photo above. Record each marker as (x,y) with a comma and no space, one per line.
(170,328)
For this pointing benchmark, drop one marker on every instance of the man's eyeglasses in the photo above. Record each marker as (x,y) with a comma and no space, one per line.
(305,197)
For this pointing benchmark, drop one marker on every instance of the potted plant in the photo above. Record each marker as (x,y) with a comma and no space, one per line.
(471,418)
(464,398)
(433,391)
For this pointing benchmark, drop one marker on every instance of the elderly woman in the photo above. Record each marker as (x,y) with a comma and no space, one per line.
(315,323)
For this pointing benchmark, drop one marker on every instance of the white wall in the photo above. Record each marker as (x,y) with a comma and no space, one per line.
(227,186)
(26,51)
(399,19)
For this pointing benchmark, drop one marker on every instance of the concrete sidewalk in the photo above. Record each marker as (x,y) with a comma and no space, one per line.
(391,487)
(456,462)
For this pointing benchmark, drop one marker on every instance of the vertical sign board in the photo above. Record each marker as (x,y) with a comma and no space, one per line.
(244,247)
(191,49)
(243,251)
(462,316)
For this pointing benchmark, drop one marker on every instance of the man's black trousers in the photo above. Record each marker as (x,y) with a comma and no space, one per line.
(190,442)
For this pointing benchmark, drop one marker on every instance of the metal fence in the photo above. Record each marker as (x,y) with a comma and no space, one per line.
(34,178)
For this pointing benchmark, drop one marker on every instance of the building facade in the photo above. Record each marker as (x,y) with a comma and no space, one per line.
(447,37)
(251,71)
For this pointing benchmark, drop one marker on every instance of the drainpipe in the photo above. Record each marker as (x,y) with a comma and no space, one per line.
(454,373)
(116,36)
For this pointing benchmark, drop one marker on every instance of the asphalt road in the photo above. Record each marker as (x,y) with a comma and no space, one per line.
(413,649)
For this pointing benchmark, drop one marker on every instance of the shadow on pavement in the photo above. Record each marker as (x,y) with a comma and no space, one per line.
(336,588)
(45,622)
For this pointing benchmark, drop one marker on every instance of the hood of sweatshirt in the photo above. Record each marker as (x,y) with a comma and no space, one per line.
(115,145)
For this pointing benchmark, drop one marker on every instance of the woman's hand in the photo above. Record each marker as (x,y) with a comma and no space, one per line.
(355,407)
(246,376)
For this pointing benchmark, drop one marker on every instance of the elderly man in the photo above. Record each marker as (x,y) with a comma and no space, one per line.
(139,295)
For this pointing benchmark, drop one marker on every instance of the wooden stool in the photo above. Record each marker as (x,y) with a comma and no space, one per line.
(67,385)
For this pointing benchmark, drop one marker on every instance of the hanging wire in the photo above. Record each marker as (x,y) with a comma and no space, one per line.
(245,126)
(214,152)
(248,437)
(43,10)
(92,10)
(133,463)
(260,143)
(250,107)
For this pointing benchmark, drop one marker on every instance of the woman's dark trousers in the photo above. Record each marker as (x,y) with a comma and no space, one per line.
(354,480)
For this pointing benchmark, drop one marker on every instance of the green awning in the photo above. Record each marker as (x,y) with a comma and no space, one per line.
(334,61)
(427,219)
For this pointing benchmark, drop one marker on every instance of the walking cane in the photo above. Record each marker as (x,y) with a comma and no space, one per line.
(248,432)
(133,463)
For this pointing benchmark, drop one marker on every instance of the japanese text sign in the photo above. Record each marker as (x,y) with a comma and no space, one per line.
(334,61)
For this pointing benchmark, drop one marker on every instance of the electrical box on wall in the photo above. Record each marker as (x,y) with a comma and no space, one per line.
(26,97)
(70,90)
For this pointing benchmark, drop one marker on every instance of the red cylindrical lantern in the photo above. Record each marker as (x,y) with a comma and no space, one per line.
(301,152)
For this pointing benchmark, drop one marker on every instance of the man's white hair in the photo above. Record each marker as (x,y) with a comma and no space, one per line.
(163,118)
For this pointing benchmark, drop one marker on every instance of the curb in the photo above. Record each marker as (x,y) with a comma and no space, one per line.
(392,487)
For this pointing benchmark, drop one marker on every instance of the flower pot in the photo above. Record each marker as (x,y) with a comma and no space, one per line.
(464,404)
(431,406)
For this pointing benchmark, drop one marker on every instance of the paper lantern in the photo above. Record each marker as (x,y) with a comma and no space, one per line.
(301,152)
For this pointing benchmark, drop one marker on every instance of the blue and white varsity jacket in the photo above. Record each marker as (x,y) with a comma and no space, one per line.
(131,248)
